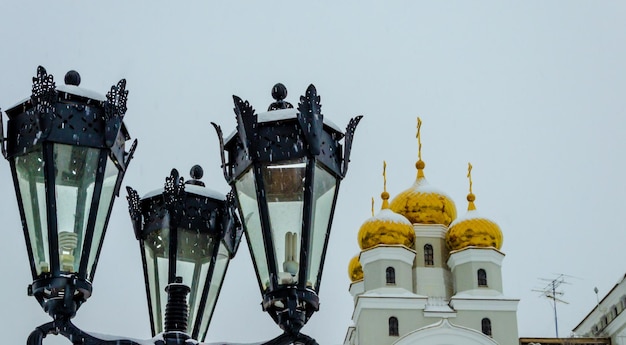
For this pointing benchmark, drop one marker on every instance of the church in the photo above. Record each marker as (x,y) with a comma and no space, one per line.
(425,276)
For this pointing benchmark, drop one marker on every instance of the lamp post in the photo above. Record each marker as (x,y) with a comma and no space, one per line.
(66,149)
(187,234)
(285,166)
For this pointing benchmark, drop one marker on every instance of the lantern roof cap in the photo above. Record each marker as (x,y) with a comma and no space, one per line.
(71,89)
(290,113)
(193,189)
(82,92)
(284,114)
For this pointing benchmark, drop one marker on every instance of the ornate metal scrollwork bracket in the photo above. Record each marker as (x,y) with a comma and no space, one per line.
(348,142)
(247,126)
(220,137)
(134,208)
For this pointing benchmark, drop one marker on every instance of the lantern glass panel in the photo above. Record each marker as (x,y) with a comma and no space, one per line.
(29,170)
(111,173)
(194,252)
(284,191)
(246,195)
(75,177)
(323,199)
(156,249)
(221,264)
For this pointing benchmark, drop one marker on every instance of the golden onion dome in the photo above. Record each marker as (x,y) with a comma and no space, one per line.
(422,203)
(355,270)
(472,229)
(386,227)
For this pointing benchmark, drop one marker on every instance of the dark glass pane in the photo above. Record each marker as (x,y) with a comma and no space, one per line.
(482,277)
(428,255)
(486,326)
(30,178)
(246,193)
(323,200)
(393,327)
(390,275)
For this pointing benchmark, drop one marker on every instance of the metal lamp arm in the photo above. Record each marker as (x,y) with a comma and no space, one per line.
(283,339)
(286,339)
(73,334)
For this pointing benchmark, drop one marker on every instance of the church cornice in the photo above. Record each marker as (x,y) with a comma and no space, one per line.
(484,304)
(357,288)
(430,230)
(380,302)
(387,252)
(445,332)
(475,254)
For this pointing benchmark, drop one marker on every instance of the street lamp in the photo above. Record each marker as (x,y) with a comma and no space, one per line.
(187,234)
(66,149)
(285,166)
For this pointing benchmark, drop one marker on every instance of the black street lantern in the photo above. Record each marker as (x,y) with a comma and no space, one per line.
(66,149)
(285,166)
(187,234)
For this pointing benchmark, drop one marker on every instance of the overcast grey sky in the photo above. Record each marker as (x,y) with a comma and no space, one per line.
(532,93)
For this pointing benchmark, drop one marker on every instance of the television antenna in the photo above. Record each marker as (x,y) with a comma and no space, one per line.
(551,291)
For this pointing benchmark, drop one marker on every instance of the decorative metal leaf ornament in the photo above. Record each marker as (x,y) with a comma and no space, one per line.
(44,88)
(117,97)
(44,97)
(348,142)
(134,209)
(311,119)
(246,125)
(114,110)
(174,190)
(220,136)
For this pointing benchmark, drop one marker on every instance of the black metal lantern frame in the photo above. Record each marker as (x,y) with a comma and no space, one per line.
(187,234)
(291,160)
(66,149)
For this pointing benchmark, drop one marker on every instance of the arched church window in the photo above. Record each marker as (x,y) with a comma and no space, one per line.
(429,258)
(486,326)
(390,275)
(482,277)
(393,327)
